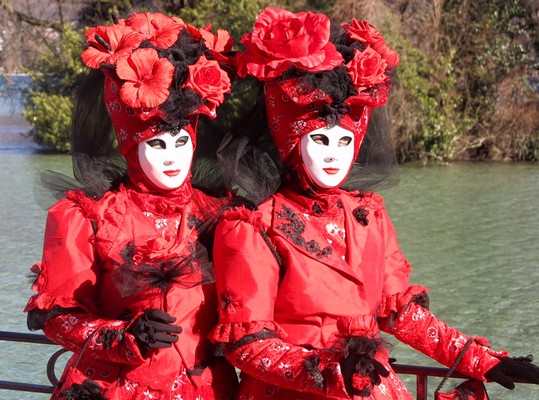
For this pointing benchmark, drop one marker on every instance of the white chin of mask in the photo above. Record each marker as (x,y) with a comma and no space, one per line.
(327,154)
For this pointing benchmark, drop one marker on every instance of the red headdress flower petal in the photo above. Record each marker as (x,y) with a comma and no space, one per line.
(217,44)
(367,34)
(161,30)
(108,43)
(281,40)
(210,82)
(367,69)
(147,78)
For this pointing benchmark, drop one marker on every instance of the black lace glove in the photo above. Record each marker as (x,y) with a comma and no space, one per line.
(513,367)
(153,330)
(359,369)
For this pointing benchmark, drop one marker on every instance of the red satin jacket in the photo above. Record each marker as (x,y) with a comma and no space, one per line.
(112,258)
(313,278)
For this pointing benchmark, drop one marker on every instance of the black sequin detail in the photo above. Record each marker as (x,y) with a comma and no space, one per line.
(361,215)
(294,229)
(317,209)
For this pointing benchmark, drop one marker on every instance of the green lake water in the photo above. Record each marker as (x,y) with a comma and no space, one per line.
(470,232)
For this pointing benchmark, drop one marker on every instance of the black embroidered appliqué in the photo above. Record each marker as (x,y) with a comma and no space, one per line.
(361,215)
(294,229)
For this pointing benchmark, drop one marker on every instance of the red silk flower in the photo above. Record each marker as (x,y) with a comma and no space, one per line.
(366,69)
(115,41)
(281,40)
(367,34)
(147,78)
(161,30)
(218,43)
(210,82)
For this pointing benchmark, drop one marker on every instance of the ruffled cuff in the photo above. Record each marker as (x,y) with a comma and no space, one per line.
(393,303)
(357,325)
(233,331)
(480,358)
(46,302)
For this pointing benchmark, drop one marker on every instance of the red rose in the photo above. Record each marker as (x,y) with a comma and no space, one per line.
(210,82)
(147,78)
(366,69)
(114,42)
(281,40)
(367,34)
(161,30)
(387,52)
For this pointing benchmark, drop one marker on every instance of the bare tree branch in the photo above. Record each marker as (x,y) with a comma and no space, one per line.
(29,19)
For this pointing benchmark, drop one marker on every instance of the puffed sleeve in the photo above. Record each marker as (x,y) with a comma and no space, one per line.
(67,274)
(247,277)
(66,290)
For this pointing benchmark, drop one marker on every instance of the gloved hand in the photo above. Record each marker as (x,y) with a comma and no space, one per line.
(513,367)
(359,369)
(154,330)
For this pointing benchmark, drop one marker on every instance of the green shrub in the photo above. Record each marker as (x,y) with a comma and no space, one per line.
(49,98)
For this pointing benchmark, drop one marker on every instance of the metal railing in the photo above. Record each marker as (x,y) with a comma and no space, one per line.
(421,373)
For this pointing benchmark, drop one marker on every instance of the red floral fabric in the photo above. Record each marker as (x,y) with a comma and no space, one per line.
(420,329)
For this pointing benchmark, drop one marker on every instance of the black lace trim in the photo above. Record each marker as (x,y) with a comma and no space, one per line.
(312,366)
(294,228)
(265,333)
(108,336)
(37,318)
(194,222)
(271,246)
(422,300)
(361,215)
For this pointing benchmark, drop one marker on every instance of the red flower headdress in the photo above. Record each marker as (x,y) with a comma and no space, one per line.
(314,77)
(161,73)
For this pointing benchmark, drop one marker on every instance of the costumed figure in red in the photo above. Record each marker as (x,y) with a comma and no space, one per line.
(126,280)
(309,278)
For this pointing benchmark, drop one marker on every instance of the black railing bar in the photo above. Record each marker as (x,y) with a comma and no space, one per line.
(437,372)
(25,337)
(25,387)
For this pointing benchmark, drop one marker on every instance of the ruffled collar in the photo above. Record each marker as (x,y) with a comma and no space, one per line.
(164,203)
(314,201)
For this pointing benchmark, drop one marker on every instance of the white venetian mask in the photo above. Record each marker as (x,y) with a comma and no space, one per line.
(166,159)
(327,154)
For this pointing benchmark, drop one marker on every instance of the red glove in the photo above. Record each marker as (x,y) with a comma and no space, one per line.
(288,366)
(419,328)
(99,338)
